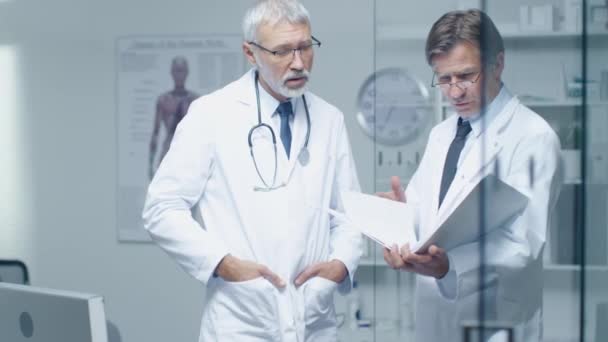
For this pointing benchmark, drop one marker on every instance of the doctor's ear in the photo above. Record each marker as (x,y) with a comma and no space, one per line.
(248,51)
(499,65)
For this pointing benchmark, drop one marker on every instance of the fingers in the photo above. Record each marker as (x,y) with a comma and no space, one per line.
(396,193)
(397,189)
(396,256)
(334,270)
(387,195)
(421,259)
(387,258)
(436,251)
(441,258)
(309,272)
(392,257)
(271,277)
(405,249)
(413,258)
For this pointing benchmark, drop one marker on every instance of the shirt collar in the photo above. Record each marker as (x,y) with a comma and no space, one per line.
(269,104)
(479,122)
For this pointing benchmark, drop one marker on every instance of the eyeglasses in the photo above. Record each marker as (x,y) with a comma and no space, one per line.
(467,80)
(283,54)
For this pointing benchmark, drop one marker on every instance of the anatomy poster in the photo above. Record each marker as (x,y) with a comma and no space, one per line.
(157,78)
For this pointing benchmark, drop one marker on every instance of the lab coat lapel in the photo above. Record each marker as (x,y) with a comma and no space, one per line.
(444,139)
(484,151)
(244,93)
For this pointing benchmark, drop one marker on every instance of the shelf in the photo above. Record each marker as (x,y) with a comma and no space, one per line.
(548,267)
(552,103)
(373,334)
(576,268)
(401,33)
(517,34)
(564,103)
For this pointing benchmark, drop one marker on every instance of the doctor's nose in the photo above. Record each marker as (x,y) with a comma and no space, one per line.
(455,92)
(297,63)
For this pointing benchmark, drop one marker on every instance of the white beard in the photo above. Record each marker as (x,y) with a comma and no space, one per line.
(278,85)
(288,92)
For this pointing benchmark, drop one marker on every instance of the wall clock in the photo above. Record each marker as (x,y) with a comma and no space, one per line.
(393,107)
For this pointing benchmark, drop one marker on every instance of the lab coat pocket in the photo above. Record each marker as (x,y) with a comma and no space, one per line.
(247,307)
(319,303)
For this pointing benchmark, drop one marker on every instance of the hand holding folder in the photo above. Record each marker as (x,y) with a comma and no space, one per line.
(488,205)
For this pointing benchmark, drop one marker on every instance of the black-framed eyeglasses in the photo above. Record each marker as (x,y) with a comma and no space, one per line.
(468,79)
(304,50)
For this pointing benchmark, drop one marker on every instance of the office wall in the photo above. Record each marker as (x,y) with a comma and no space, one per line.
(13,186)
(59,192)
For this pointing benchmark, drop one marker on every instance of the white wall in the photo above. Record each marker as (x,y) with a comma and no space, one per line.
(13,185)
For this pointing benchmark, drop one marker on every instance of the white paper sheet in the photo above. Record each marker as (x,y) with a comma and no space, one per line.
(384,221)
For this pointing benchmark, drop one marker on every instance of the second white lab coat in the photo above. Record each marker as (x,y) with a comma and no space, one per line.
(523,151)
(209,169)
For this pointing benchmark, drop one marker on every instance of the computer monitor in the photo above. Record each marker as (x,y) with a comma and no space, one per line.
(33,314)
(13,271)
(487,331)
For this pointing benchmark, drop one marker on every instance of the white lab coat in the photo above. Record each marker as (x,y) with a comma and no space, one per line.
(209,169)
(512,285)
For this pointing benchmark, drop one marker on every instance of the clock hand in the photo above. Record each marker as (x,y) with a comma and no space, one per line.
(388,115)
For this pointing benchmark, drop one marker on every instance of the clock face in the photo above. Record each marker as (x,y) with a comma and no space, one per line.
(393,106)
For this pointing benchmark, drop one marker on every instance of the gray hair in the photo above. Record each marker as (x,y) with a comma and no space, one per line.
(472,26)
(272,12)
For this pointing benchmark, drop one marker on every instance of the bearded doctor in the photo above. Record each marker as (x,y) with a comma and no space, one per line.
(491,132)
(236,199)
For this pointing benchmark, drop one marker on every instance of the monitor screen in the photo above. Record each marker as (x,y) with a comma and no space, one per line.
(33,314)
(13,271)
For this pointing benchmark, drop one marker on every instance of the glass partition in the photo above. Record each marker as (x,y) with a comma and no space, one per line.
(593,275)
(555,65)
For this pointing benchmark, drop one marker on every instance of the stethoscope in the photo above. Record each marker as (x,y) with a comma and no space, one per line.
(303,155)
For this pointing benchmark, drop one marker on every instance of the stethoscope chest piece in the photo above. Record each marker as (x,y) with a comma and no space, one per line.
(304,156)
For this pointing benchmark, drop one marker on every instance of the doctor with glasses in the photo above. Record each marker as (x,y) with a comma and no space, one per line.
(253,161)
(496,277)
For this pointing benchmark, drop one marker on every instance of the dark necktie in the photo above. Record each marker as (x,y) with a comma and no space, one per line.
(451,161)
(285,111)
